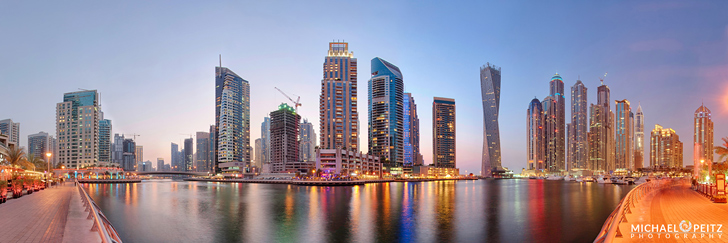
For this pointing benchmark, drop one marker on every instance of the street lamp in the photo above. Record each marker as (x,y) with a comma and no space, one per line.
(48,161)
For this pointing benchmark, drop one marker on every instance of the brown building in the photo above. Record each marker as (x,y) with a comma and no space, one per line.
(284,138)
(443,132)
(666,150)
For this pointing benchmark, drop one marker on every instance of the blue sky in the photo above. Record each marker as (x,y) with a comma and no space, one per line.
(153,62)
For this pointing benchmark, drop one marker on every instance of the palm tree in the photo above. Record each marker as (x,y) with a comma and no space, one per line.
(16,158)
(36,162)
(722,151)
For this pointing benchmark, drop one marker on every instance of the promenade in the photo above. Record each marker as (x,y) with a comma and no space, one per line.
(670,206)
(55,214)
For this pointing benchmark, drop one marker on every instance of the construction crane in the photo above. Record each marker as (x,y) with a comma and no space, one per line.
(602,78)
(133,135)
(295,103)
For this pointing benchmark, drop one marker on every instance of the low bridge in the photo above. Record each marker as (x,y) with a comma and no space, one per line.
(170,173)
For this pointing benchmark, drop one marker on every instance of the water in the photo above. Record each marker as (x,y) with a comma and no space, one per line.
(448,211)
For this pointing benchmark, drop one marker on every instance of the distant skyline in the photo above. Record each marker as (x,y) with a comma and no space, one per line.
(153,64)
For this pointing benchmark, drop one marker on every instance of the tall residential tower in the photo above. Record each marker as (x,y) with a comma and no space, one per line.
(490,84)
(77,129)
(339,118)
(232,118)
(578,144)
(386,90)
(443,132)
(535,136)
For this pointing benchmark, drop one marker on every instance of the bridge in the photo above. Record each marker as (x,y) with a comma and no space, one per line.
(171,173)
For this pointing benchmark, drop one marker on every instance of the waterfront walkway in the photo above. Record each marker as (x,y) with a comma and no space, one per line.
(44,217)
(672,205)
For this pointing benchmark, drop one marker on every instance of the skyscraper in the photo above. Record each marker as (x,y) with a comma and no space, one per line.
(259,153)
(203,152)
(129,157)
(11,129)
(117,150)
(160,164)
(601,133)
(443,132)
(77,129)
(265,141)
(232,118)
(578,144)
(703,136)
(339,118)
(175,163)
(490,84)
(555,125)
(535,136)
(284,138)
(666,150)
(639,138)
(139,156)
(307,140)
(412,155)
(39,145)
(386,90)
(623,136)
(188,166)
(104,139)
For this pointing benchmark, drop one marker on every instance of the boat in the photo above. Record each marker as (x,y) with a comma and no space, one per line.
(620,181)
(641,180)
(567,178)
(580,179)
(554,178)
(604,180)
(532,177)
(588,179)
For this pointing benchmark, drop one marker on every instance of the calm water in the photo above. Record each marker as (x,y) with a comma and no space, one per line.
(454,211)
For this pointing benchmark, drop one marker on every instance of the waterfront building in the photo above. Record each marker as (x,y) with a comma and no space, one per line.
(601,133)
(307,140)
(10,129)
(554,113)
(435,172)
(535,136)
(160,164)
(339,117)
(232,118)
(104,140)
(443,132)
(117,149)
(284,138)
(175,163)
(702,138)
(53,145)
(639,138)
(624,126)
(265,144)
(490,84)
(345,162)
(412,155)
(202,154)
(129,157)
(259,153)
(167,167)
(77,129)
(666,150)
(139,155)
(578,146)
(188,165)
(39,145)
(386,91)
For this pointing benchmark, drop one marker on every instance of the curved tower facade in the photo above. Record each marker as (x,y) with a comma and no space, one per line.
(386,131)
(703,136)
(490,84)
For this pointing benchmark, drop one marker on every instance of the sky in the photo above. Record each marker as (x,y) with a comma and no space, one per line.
(153,61)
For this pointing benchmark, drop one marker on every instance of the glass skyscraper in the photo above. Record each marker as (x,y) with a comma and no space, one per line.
(555,125)
(307,140)
(412,156)
(703,136)
(535,136)
(490,84)
(386,90)
(578,145)
(265,141)
(104,140)
(232,118)
(623,136)
(639,138)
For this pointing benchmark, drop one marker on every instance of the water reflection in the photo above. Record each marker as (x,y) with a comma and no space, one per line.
(448,211)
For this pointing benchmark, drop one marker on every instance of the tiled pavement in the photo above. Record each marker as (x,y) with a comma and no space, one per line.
(37,217)
(672,206)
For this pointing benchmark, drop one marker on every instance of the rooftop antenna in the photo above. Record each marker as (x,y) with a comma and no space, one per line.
(220,60)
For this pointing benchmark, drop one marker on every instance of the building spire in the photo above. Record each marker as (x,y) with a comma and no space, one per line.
(220,60)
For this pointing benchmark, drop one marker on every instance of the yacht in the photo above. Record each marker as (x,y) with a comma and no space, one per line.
(554,178)
(567,178)
(641,180)
(532,177)
(580,179)
(588,179)
(604,180)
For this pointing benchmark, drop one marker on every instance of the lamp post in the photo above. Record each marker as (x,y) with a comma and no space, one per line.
(48,162)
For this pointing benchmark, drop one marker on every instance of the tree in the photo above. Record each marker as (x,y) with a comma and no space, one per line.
(722,151)
(16,158)
(38,163)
